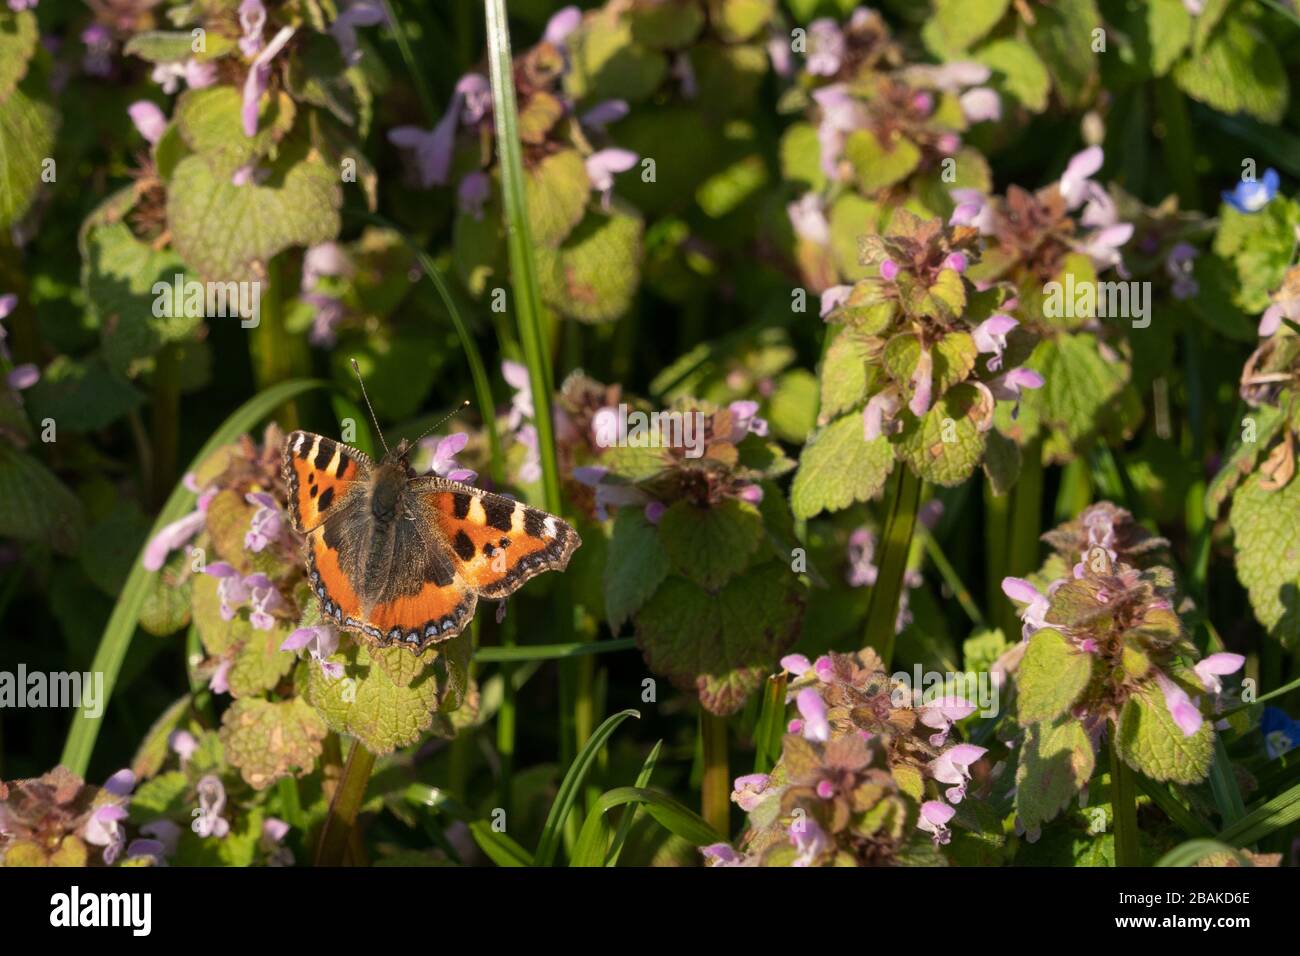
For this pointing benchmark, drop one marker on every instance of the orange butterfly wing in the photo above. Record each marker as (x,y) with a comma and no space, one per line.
(497,543)
(318,472)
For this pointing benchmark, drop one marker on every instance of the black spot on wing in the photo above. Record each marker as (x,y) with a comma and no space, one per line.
(440,572)
(323,455)
(498,512)
(534,522)
(463,546)
(344,461)
(326,499)
(460,504)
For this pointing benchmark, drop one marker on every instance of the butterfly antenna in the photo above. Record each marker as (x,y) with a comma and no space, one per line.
(439,424)
(379,431)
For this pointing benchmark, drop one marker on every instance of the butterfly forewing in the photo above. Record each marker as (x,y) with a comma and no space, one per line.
(319,473)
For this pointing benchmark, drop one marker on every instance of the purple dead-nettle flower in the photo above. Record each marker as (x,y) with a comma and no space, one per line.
(1285,306)
(1178,266)
(249,174)
(934,818)
(561,25)
(1103,246)
(274,830)
(472,194)
(121,783)
(531,469)
(445,450)
(778,51)
(183,744)
(812,708)
(751,493)
(219,682)
(324,259)
(981,105)
(796,664)
(197,74)
(150,848)
(1076,185)
(264,598)
(18,6)
(654,511)
(604,113)
(722,854)
(327,312)
(267,523)
(521,402)
(359,13)
(842,113)
(922,383)
(940,715)
(252,20)
(1034,613)
(1181,708)
(602,166)
(826,47)
(953,767)
(320,642)
(824,669)
(1007,387)
(991,337)
(747,791)
(208,820)
(684,73)
(744,419)
(259,78)
(956,261)
(1211,668)
(889,270)
(808,217)
(1194,7)
(98,58)
(879,417)
(972,209)
(232,592)
(613,493)
(809,839)
(470,102)
(862,570)
(177,534)
(165,832)
(833,298)
(104,828)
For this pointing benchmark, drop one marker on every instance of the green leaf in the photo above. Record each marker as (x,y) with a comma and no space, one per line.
(1051,677)
(82,396)
(558,189)
(169,46)
(27,126)
(120,629)
(1080,384)
(606,62)
(1238,71)
(635,567)
(852,217)
(571,787)
(499,848)
(722,644)
(1056,762)
(1266,530)
(711,545)
(268,740)
(1193,851)
(1265,820)
(226,232)
(944,446)
(1151,743)
(671,815)
(19,35)
(801,163)
(1063,36)
(955,25)
(210,121)
(1168,32)
(1018,72)
(878,165)
(35,506)
(1001,462)
(593,276)
(844,374)
(838,467)
(260,663)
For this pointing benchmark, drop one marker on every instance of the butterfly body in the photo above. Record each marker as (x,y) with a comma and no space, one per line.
(402,558)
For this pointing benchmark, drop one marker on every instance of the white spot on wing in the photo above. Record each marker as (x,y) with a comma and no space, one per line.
(549,526)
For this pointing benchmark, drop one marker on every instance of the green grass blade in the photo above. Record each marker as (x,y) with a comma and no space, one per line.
(1223,784)
(548,652)
(500,849)
(1282,811)
(1161,795)
(117,635)
(519,242)
(882,609)
(666,811)
(771,724)
(571,786)
(1191,852)
(625,824)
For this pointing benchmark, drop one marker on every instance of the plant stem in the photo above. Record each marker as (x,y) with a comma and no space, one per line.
(953,580)
(277,355)
(506,722)
(1123,802)
(166,422)
(896,543)
(997,515)
(336,834)
(715,782)
(412,67)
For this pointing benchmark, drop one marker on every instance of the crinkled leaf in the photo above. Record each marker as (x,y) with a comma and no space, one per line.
(1266,531)
(1238,71)
(594,274)
(944,446)
(710,545)
(557,190)
(1051,677)
(877,164)
(844,374)
(957,24)
(18,38)
(1062,33)
(635,567)
(1056,761)
(35,506)
(1018,72)
(838,467)
(268,740)
(27,126)
(1151,743)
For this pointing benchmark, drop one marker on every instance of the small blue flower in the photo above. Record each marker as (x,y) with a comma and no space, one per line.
(1252,196)
(1281,733)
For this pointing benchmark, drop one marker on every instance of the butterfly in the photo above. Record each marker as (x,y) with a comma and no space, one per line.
(401,558)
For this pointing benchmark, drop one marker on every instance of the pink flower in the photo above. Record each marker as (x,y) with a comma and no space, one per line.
(219,682)
(1008,386)
(972,209)
(796,664)
(808,217)
(922,383)
(862,570)
(444,462)
(472,194)
(1102,246)
(104,828)
(1075,181)
(953,767)
(941,714)
(252,20)
(561,25)
(604,113)
(934,820)
(176,534)
(991,336)
(841,114)
(259,77)
(320,641)
(267,522)
(826,47)
(889,270)
(470,102)
(721,854)
(212,800)
(148,119)
(654,511)
(182,742)
(809,839)
(744,419)
(981,105)
(1035,601)
(602,165)
(747,791)
(833,298)
(359,13)
(521,402)
(1185,713)
(879,413)
(813,709)
(1211,668)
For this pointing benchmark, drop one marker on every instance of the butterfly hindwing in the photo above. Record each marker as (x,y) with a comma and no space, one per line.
(497,543)
(319,473)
